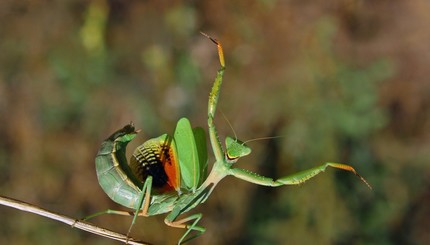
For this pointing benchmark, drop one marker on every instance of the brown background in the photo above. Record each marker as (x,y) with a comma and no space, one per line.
(343,81)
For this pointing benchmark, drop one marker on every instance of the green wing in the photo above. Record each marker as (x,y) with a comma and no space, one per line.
(202,151)
(191,153)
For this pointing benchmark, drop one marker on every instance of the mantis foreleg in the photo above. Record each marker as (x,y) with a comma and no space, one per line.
(294,179)
(212,103)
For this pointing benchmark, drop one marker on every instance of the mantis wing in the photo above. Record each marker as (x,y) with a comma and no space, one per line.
(202,151)
(192,155)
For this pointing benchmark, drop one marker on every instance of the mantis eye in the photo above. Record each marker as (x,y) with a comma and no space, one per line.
(236,149)
(157,158)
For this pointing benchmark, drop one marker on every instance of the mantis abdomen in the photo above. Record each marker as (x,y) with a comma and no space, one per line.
(113,172)
(156,157)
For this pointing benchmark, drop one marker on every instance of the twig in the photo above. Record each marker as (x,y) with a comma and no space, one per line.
(6,201)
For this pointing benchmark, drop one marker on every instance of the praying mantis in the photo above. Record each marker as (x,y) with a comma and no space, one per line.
(168,174)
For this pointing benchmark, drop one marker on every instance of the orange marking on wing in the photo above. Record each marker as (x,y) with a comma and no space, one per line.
(171,167)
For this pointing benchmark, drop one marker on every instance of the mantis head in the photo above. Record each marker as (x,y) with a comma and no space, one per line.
(235,149)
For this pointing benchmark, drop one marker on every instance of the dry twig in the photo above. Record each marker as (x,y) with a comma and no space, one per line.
(6,201)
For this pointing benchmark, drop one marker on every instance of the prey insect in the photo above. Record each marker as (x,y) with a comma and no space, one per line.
(168,174)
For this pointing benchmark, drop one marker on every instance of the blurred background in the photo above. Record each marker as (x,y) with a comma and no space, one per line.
(344,81)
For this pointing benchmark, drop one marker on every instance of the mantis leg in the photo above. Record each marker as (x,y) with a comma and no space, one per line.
(182,223)
(141,208)
(108,211)
(213,101)
(294,179)
(144,201)
(190,222)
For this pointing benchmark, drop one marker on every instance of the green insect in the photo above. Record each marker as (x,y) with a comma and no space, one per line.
(168,174)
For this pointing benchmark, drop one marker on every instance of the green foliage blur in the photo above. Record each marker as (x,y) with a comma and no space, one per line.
(342,82)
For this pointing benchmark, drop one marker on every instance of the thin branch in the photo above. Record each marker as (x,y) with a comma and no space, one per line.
(74,223)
